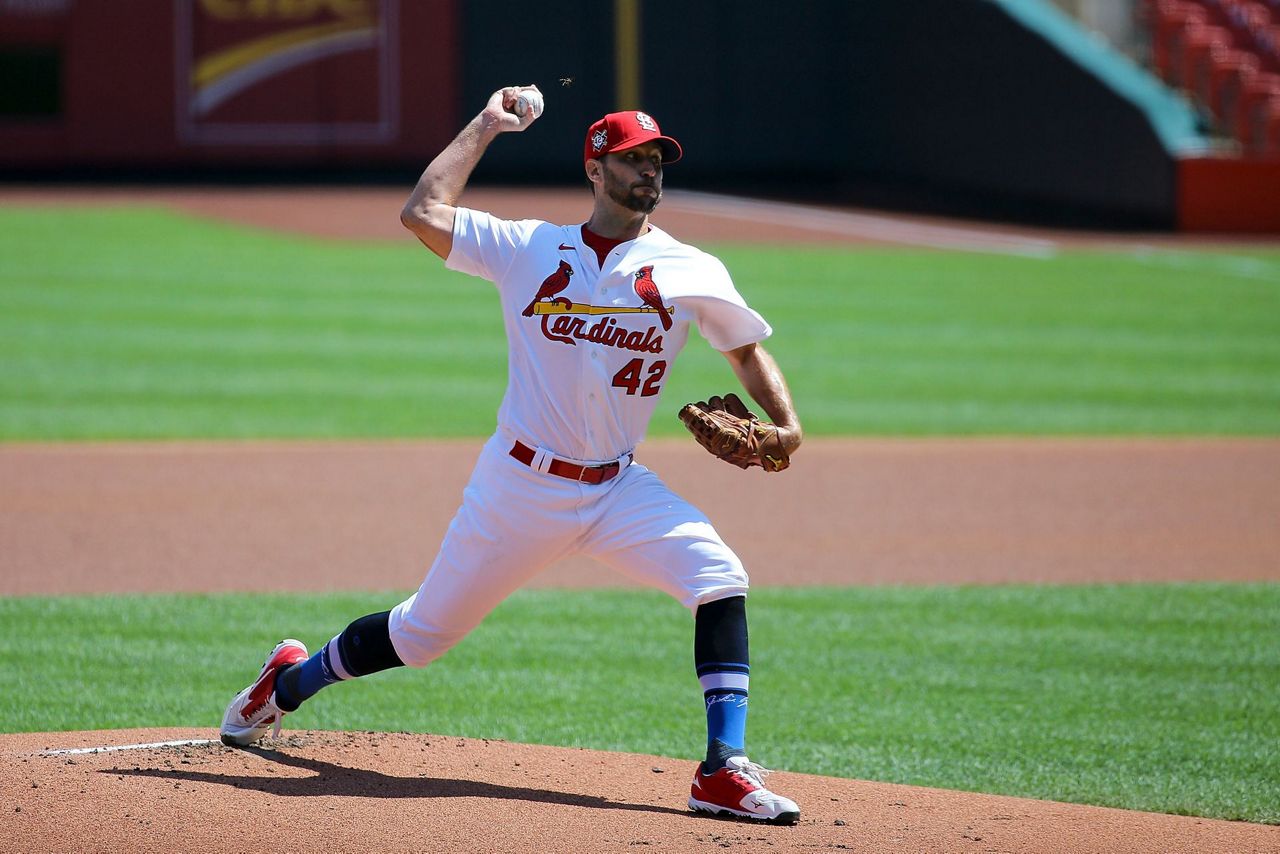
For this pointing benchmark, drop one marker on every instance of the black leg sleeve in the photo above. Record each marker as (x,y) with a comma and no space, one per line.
(366,647)
(720,633)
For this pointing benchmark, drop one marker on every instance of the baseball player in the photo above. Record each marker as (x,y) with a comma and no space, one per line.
(595,313)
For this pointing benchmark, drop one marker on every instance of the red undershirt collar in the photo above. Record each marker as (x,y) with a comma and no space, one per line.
(602,246)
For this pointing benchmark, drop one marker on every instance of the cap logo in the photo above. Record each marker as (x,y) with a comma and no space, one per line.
(599,139)
(646,122)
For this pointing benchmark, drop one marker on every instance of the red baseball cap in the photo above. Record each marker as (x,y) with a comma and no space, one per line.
(620,131)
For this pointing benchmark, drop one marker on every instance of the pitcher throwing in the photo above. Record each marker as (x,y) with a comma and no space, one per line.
(594,313)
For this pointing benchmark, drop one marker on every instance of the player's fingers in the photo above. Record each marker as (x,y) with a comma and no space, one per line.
(497,99)
(501,109)
(497,104)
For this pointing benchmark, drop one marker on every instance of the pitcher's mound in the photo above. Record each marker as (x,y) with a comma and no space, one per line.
(181,790)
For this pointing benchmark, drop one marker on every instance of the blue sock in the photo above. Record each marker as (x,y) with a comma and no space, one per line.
(727,719)
(724,690)
(299,683)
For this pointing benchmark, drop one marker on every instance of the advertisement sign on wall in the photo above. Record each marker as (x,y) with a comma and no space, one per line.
(273,72)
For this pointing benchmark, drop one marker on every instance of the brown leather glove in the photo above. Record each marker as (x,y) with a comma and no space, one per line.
(730,431)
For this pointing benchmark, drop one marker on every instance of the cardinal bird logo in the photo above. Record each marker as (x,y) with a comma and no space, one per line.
(647,290)
(552,285)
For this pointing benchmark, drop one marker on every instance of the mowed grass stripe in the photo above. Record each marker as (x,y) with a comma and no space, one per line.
(220,301)
(84,338)
(1078,341)
(1154,697)
(152,317)
(1021,416)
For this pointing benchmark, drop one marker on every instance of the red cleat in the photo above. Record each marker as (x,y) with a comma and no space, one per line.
(738,790)
(254,709)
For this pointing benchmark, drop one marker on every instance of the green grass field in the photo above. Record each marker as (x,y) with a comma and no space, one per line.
(146,324)
(1157,697)
(142,324)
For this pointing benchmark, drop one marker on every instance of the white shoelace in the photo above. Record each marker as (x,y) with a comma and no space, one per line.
(752,772)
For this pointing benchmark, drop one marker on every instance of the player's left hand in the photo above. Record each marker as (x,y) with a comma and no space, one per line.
(726,428)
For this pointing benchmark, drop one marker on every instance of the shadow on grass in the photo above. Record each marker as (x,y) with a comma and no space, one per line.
(331,779)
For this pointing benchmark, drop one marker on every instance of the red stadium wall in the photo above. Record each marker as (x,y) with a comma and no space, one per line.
(165,83)
(1229,195)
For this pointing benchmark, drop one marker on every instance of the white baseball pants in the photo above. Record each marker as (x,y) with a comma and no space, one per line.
(515,521)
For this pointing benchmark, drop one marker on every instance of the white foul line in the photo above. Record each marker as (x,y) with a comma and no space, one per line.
(867,226)
(113,748)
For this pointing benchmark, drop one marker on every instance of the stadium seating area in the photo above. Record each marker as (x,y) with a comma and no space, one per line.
(1225,54)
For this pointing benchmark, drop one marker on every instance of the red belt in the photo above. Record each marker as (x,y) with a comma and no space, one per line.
(572,471)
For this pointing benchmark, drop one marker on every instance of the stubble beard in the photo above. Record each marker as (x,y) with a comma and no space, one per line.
(625,196)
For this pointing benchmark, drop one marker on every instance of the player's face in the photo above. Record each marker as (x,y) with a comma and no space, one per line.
(633,178)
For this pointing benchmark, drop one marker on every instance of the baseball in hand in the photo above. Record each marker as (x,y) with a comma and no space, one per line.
(529,100)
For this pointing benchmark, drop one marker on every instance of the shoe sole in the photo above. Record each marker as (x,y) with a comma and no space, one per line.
(234,736)
(724,812)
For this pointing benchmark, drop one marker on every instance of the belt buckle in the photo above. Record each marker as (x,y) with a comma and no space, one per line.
(582,472)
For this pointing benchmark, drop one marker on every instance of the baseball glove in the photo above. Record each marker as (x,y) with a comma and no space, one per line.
(730,431)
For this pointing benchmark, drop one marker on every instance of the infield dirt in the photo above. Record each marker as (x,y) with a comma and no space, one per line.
(220,516)
(318,791)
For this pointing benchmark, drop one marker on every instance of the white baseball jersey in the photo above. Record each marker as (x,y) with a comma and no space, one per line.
(589,349)
(588,353)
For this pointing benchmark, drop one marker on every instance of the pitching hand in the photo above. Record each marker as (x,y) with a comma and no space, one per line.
(500,112)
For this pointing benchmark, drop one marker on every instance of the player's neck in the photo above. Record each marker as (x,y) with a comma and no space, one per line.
(617,223)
